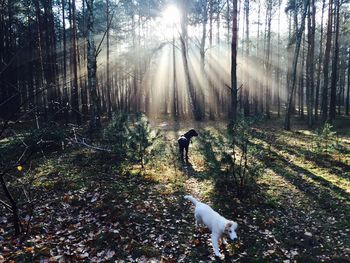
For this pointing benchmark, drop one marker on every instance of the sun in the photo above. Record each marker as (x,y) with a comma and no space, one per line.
(171,15)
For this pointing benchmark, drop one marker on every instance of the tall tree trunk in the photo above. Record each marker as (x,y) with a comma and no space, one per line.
(347,103)
(298,36)
(301,82)
(92,67)
(233,113)
(64,42)
(211,14)
(278,70)
(193,97)
(175,109)
(204,34)
(74,91)
(135,66)
(202,52)
(108,82)
(228,21)
(334,76)
(320,57)
(247,88)
(257,81)
(65,98)
(342,77)
(310,68)
(40,72)
(324,103)
(268,62)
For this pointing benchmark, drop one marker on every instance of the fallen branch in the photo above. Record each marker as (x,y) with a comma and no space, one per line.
(83,143)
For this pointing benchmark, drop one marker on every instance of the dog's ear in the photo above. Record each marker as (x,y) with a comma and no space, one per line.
(228,225)
(235,225)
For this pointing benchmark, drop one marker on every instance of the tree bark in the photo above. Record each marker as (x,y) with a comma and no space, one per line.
(233,112)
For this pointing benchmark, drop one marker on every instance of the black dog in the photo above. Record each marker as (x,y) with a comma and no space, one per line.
(184,142)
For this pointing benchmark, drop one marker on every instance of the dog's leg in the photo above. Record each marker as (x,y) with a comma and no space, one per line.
(186,148)
(224,241)
(214,241)
(181,149)
(198,220)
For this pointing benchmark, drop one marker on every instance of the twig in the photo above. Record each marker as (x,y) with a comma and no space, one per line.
(229,87)
(7,206)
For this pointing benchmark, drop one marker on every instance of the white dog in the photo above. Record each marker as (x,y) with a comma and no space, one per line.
(217,224)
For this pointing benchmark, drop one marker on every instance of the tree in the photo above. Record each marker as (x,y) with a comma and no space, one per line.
(319,66)
(108,86)
(278,70)
(92,67)
(334,76)
(310,68)
(268,74)
(257,82)
(196,107)
(347,103)
(291,89)
(247,50)
(324,103)
(233,112)
(74,90)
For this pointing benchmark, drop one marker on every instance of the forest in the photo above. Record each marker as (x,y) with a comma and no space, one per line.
(112,111)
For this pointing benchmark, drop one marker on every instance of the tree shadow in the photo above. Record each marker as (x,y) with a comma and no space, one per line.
(328,196)
(324,161)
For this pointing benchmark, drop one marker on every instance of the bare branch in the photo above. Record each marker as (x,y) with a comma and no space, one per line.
(82,142)
(7,206)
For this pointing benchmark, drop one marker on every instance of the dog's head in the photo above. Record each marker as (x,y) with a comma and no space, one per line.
(230,230)
(192,133)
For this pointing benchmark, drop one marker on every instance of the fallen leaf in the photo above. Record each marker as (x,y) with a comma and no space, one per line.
(197,242)
(29,249)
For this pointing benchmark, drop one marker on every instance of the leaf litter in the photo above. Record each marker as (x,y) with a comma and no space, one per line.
(132,218)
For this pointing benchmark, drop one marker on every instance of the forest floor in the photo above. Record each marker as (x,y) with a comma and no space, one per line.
(90,209)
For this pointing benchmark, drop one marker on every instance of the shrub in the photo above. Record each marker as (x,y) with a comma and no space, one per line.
(326,139)
(141,139)
(132,138)
(231,157)
(239,163)
(48,138)
(117,133)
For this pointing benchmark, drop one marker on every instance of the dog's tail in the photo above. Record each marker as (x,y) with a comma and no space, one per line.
(192,199)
